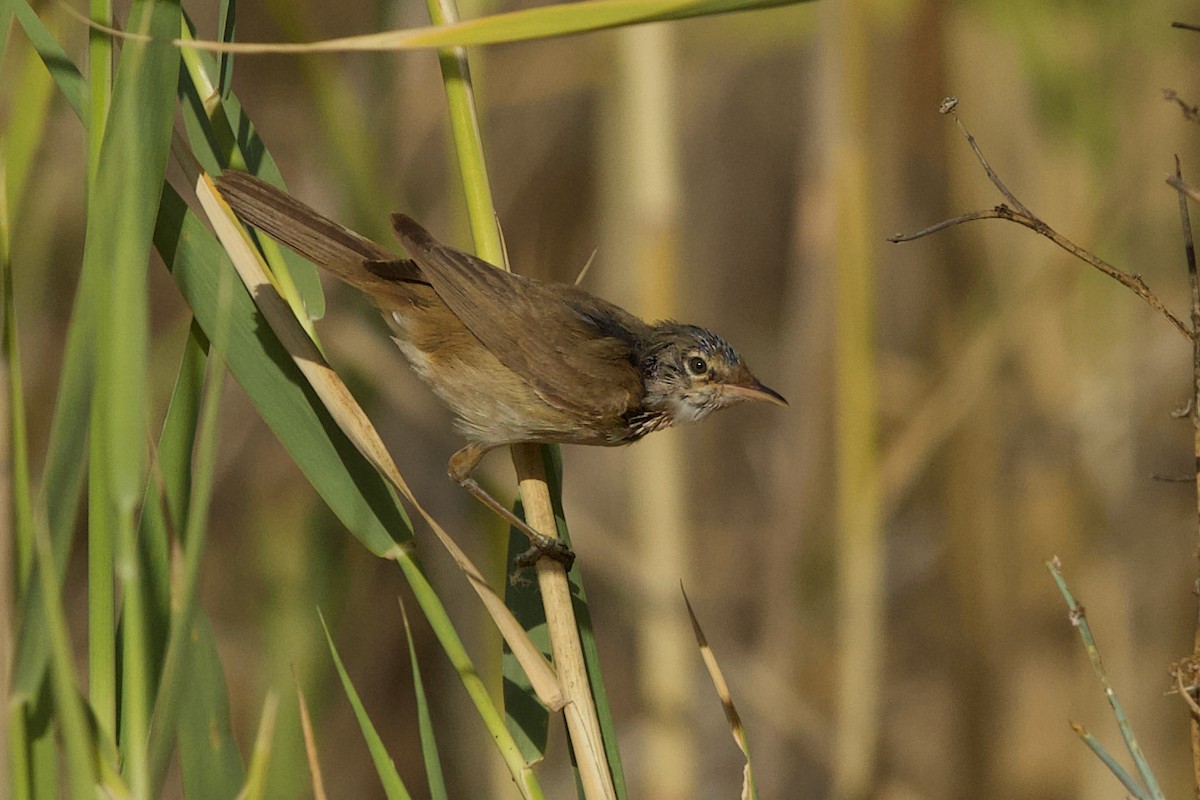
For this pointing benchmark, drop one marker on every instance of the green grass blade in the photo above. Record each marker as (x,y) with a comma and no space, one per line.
(20,766)
(6,18)
(492,718)
(163,518)
(226,25)
(62,477)
(22,135)
(102,524)
(21,585)
(17,439)
(68,706)
(66,459)
(393,787)
(122,208)
(545,22)
(164,512)
(174,669)
(208,754)
(256,775)
(66,75)
(429,749)
(18,561)
(62,485)
(61,490)
(41,732)
(66,455)
(122,204)
(100,81)
(102,600)
(468,144)
(19,143)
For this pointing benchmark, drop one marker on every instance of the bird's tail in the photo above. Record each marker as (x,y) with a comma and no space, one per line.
(349,256)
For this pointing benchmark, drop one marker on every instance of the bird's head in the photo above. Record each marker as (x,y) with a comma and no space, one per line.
(689,372)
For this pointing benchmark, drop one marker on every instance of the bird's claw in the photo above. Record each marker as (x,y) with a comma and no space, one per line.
(546,547)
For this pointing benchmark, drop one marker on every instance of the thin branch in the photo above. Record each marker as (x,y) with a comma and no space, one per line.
(999,212)
(1157,476)
(1133,282)
(1020,214)
(987,167)
(1189,251)
(1187,26)
(1190,112)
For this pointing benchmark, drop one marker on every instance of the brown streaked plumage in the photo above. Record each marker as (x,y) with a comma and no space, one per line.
(516,359)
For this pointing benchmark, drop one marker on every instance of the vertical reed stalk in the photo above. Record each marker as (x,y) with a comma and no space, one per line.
(860,543)
(646,147)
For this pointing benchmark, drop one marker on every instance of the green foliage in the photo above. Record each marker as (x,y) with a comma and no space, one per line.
(393,786)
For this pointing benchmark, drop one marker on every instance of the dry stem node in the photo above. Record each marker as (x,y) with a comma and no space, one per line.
(1016,211)
(1185,673)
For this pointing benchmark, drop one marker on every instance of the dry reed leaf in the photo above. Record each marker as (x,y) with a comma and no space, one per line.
(731,714)
(310,743)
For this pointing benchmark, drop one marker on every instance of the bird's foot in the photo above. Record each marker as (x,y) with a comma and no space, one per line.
(543,546)
(546,547)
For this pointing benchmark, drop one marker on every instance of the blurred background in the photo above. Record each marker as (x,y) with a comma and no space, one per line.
(868,563)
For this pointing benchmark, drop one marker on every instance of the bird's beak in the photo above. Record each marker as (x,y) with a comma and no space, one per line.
(753,390)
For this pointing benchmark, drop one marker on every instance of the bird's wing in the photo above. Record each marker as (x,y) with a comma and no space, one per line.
(573,348)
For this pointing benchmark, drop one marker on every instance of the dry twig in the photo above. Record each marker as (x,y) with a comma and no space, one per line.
(1016,211)
(1190,112)
(1189,250)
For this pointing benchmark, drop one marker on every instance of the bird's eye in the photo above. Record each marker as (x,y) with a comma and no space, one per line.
(697,365)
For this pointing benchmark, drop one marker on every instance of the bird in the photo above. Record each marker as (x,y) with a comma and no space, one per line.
(516,359)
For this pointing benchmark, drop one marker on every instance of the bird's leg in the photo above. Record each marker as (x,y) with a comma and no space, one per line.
(462,464)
